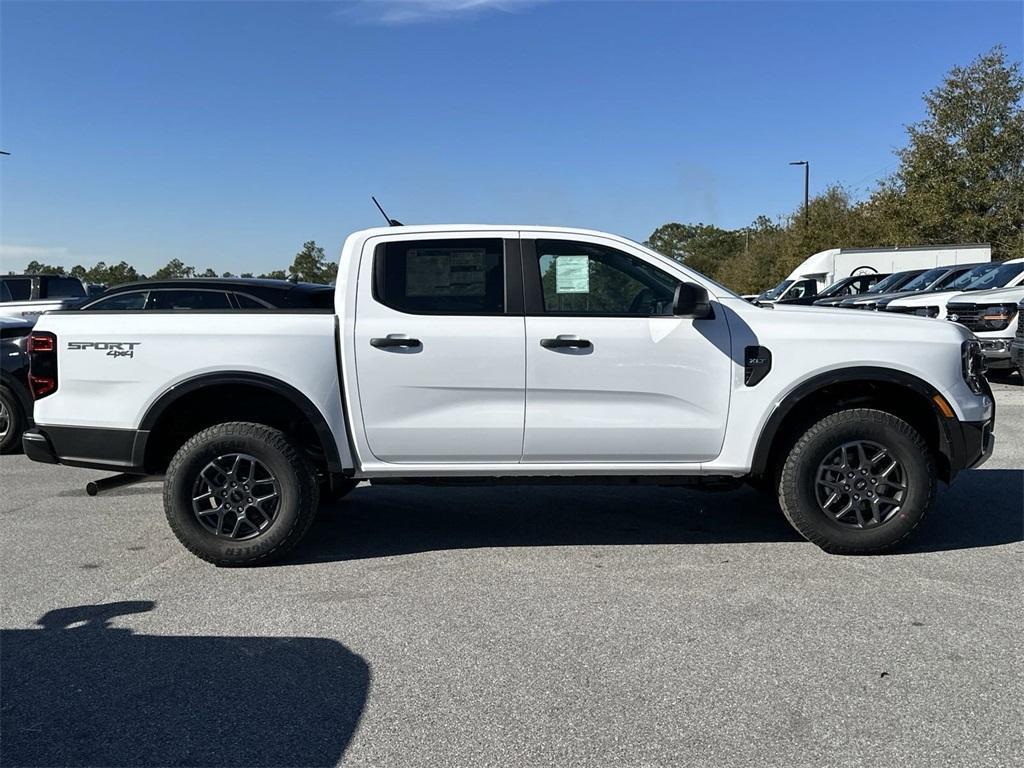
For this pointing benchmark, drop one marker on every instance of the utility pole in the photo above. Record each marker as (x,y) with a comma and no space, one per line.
(807,189)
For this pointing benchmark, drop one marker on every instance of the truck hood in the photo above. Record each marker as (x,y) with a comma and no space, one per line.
(993,296)
(928,299)
(874,298)
(825,323)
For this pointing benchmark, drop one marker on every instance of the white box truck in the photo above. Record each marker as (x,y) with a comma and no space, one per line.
(822,269)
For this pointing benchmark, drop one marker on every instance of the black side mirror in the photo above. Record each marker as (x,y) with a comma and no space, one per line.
(691,300)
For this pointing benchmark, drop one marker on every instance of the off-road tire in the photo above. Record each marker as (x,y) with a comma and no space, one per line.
(796,485)
(299,493)
(11,440)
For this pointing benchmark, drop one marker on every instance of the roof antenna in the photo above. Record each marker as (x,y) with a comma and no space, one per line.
(391,222)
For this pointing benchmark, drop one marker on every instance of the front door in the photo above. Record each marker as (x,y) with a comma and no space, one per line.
(612,376)
(440,360)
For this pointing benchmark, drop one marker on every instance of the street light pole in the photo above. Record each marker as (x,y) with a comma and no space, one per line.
(807,189)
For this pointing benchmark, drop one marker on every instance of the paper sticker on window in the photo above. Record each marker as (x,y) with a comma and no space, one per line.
(446,272)
(572,274)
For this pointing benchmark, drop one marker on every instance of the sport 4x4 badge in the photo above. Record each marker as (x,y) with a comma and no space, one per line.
(112,348)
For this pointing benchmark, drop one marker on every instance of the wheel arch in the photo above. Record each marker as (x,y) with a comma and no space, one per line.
(902,394)
(248,391)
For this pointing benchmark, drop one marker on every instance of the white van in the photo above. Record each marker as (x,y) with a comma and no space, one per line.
(824,268)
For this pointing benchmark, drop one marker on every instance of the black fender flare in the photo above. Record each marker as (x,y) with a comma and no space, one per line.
(262,381)
(949,430)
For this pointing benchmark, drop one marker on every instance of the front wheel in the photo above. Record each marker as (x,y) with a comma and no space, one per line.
(857,482)
(240,494)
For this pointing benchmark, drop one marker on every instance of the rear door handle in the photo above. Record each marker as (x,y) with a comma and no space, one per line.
(566,341)
(395,340)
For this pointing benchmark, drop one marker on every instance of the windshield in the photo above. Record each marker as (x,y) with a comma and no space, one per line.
(925,279)
(971,275)
(996,278)
(889,283)
(839,286)
(774,293)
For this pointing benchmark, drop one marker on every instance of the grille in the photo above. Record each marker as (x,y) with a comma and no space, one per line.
(1020,323)
(968,315)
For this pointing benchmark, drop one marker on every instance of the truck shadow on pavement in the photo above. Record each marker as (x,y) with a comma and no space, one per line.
(79,692)
(982,508)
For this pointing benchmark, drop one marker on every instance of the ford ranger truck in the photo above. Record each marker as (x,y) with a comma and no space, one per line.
(488,354)
(992,317)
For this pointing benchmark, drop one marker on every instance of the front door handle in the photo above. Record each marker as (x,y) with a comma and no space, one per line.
(395,340)
(566,341)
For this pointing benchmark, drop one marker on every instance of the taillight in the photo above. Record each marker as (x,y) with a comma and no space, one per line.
(42,364)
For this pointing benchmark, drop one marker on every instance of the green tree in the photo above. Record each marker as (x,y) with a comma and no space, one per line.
(38,268)
(961,176)
(275,274)
(174,268)
(311,265)
(207,273)
(115,274)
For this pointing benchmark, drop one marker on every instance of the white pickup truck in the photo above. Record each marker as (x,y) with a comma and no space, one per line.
(489,354)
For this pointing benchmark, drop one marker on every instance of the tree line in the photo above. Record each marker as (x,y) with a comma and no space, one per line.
(309,265)
(959,179)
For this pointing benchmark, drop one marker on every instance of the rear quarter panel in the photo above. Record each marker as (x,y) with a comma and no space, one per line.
(97,388)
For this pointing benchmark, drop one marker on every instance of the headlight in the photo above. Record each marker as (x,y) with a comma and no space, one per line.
(927,311)
(997,316)
(972,362)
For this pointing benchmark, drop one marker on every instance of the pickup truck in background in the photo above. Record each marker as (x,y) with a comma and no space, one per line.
(28,296)
(932,280)
(1017,347)
(824,268)
(486,354)
(992,316)
(987,277)
(15,397)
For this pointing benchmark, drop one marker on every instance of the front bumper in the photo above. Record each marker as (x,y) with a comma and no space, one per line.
(978,443)
(1017,354)
(997,352)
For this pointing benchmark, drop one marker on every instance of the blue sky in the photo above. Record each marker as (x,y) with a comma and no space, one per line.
(226,134)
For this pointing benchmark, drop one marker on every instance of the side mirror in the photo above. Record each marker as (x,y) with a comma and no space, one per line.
(691,300)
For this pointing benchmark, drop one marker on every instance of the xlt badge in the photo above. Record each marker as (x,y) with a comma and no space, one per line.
(757,362)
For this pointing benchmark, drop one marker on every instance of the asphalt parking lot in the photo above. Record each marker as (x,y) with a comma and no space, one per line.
(514,626)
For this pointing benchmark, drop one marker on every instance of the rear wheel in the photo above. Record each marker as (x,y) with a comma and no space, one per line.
(857,482)
(240,494)
(12,421)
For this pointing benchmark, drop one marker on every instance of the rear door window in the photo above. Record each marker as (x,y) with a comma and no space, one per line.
(61,288)
(188,299)
(248,302)
(130,300)
(17,289)
(449,277)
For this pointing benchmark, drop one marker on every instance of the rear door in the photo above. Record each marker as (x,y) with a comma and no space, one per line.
(612,376)
(439,348)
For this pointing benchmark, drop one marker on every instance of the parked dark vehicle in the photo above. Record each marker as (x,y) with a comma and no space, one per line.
(839,290)
(1017,347)
(31,295)
(15,399)
(937,279)
(206,294)
(891,283)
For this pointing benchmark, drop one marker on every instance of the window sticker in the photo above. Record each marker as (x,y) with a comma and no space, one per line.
(572,274)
